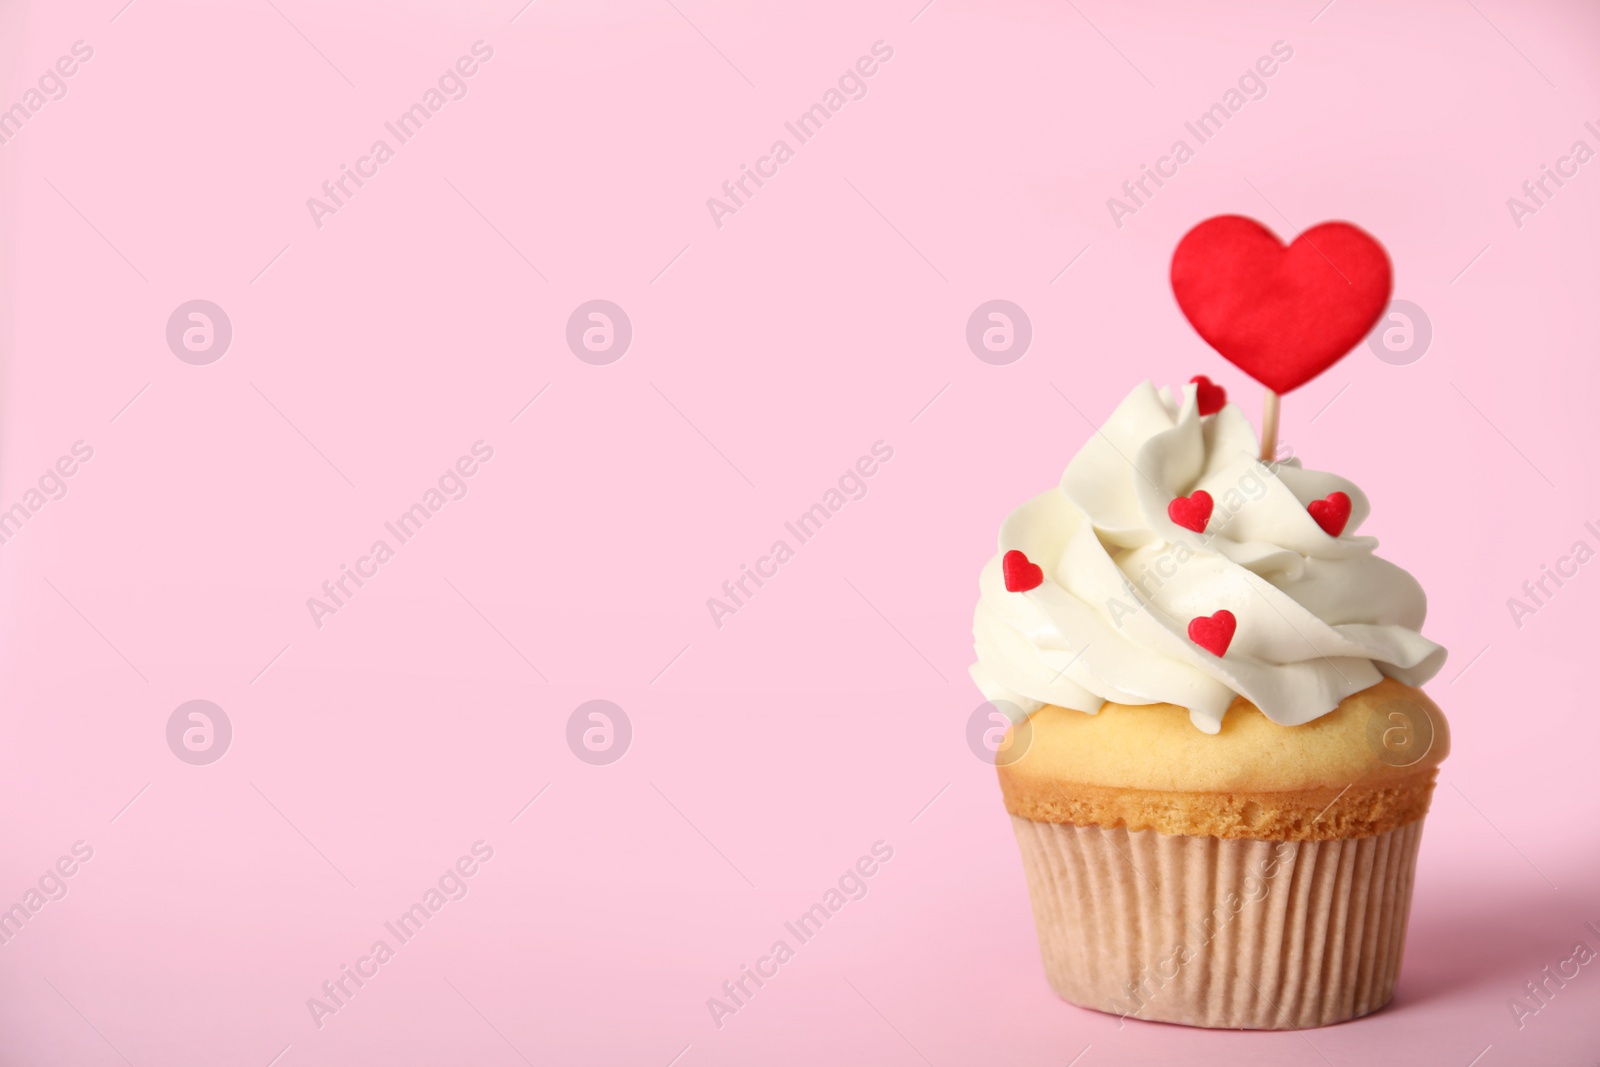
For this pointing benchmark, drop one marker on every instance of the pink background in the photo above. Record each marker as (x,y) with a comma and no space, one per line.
(827,314)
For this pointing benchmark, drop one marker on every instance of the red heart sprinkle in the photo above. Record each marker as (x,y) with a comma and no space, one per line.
(1331,513)
(1281,313)
(1214,634)
(1021,575)
(1209,395)
(1192,512)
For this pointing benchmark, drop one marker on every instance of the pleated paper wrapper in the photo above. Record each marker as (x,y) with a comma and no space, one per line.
(1260,935)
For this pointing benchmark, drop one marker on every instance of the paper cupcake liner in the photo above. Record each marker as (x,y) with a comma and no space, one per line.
(1260,935)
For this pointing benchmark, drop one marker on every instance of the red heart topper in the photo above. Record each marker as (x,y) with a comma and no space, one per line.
(1209,396)
(1021,573)
(1281,314)
(1214,633)
(1192,512)
(1332,512)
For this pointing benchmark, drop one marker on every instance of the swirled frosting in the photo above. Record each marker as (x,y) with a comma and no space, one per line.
(1319,617)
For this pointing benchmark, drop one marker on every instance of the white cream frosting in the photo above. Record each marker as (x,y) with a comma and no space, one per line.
(1319,617)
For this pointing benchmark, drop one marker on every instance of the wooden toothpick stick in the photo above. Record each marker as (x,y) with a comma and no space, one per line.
(1269,428)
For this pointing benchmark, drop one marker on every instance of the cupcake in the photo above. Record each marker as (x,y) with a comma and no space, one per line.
(1220,760)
